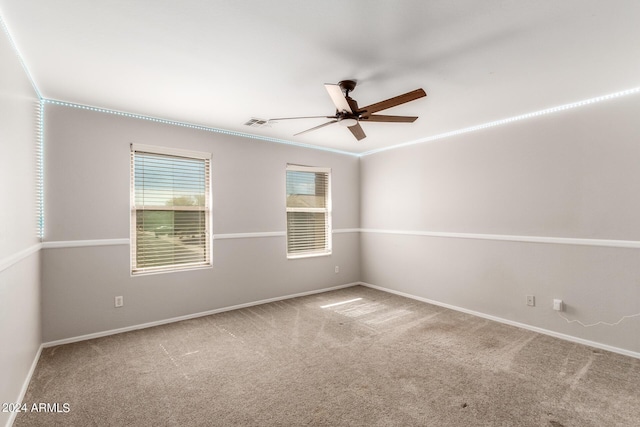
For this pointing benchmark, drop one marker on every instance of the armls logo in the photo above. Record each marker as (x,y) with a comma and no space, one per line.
(51,407)
(61,408)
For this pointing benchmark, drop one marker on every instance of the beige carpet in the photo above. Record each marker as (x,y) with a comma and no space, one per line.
(383,360)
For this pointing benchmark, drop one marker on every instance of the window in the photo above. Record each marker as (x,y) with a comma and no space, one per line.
(170,209)
(308,211)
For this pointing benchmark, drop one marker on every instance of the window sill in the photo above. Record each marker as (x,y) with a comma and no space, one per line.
(308,255)
(169,270)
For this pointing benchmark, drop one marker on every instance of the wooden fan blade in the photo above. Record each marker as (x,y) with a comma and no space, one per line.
(389,119)
(316,127)
(307,117)
(392,102)
(338,98)
(357,131)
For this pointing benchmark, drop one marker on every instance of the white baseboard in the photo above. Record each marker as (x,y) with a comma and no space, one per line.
(190,316)
(511,322)
(25,385)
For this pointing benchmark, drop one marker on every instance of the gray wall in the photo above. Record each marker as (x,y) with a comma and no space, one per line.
(569,175)
(19,257)
(87,183)
(574,174)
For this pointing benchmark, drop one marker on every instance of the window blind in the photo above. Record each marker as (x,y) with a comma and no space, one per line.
(308,211)
(170,215)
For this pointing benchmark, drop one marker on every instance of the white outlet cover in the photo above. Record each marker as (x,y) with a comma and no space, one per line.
(557,304)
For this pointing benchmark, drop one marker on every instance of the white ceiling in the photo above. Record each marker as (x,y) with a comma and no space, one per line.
(219,63)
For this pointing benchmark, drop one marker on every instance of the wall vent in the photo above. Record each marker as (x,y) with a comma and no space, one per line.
(257,123)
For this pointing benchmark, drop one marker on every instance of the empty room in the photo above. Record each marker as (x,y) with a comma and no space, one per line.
(354,213)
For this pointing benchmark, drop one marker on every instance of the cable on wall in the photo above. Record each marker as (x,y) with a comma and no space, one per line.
(588,325)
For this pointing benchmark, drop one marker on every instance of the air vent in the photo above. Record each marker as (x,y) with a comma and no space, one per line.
(257,123)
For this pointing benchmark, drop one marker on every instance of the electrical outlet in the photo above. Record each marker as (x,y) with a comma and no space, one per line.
(531,300)
(557,305)
(337,269)
(119,302)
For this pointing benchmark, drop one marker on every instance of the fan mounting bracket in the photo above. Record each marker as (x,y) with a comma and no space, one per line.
(347,85)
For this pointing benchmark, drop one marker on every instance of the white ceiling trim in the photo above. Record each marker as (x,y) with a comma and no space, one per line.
(194,126)
(482,126)
(508,120)
(477,62)
(474,128)
(19,55)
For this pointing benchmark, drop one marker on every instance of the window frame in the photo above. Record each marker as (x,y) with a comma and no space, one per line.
(208,235)
(327,211)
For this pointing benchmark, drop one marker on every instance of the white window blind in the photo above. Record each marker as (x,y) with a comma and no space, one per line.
(170,209)
(308,211)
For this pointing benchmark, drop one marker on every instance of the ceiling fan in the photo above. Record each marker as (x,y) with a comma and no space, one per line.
(348,113)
